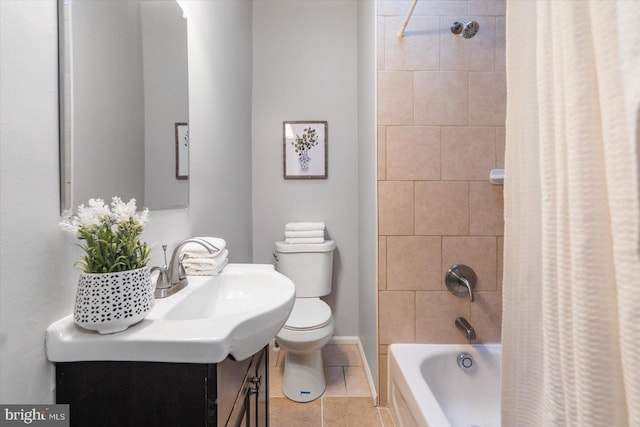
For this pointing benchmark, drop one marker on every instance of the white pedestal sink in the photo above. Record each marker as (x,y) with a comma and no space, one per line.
(234,313)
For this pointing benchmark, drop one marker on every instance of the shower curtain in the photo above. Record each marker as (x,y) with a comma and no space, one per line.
(571,287)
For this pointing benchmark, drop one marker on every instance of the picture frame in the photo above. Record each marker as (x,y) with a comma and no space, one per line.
(182,150)
(305,149)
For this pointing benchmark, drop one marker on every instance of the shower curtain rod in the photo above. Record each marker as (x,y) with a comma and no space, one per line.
(406,20)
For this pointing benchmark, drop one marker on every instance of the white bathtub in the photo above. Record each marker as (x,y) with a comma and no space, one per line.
(427,388)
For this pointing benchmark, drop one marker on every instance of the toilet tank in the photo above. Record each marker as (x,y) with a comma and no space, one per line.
(310,267)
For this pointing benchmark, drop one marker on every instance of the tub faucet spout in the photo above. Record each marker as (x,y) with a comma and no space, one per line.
(466,328)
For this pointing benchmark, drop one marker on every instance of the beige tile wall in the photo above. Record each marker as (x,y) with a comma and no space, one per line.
(441,114)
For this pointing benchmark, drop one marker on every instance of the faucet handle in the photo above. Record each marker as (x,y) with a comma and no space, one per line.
(460,280)
(162,282)
(182,273)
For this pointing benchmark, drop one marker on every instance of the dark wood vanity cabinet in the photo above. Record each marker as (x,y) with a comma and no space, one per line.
(156,394)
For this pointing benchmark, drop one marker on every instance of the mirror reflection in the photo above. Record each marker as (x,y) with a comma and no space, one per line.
(124,102)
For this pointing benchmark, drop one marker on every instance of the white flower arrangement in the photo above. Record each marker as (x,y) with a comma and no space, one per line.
(111,235)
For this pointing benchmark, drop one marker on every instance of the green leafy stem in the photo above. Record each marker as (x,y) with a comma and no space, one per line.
(303,143)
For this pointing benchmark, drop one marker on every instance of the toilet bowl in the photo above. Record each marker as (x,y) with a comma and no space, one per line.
(303,379)
(310,324)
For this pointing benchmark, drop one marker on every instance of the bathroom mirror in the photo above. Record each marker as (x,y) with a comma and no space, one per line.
(123,91)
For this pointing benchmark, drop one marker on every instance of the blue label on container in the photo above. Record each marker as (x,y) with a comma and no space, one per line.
(305,392)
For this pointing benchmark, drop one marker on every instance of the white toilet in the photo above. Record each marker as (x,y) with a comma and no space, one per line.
(310,324)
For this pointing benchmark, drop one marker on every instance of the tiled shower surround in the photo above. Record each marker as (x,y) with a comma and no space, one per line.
(441,116)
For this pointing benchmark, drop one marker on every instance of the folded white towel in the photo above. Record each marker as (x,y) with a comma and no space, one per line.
(302,240)
(203,269)
(205,265)
(312,233)
(195,250)
(304,226)
(207,259)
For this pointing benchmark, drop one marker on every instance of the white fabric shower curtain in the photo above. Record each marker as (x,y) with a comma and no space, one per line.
(571,290)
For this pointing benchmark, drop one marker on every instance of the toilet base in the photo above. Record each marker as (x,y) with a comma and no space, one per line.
(303,379)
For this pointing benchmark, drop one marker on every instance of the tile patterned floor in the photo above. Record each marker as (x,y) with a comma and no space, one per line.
(347,401)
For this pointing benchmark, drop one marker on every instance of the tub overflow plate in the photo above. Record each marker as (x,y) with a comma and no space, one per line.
(465,361)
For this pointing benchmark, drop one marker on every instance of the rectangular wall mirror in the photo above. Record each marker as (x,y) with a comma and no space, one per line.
(123,88)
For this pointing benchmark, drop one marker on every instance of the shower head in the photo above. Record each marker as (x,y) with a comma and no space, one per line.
(465,30)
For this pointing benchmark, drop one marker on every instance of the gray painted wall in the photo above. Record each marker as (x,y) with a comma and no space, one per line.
(37,277)
(309,64)
(166,101)
(305,68)
(367,191)
(108,122)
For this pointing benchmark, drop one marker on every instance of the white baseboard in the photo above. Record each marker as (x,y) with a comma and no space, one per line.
(343,339)
(356,340)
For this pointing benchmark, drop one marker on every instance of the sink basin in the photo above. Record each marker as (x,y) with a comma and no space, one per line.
(234,313)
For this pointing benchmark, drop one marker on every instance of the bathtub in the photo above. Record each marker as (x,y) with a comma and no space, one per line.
(428,388)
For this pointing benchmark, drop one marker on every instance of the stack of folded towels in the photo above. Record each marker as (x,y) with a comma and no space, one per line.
(304,232)
(199,262)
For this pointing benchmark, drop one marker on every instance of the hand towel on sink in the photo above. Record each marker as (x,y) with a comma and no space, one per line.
(304,226)
(203,270)
(202,265)
(195,250)
(311,233)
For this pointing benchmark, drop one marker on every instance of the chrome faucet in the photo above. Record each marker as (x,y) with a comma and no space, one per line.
(466,328)
(172,277)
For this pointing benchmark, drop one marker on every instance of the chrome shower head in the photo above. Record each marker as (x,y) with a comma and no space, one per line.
(465,30)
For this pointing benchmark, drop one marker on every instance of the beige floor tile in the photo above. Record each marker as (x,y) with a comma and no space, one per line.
(356,381)
(346,400)
(286,413)
(335,379)
(385,416)
(341,355)
(349,412)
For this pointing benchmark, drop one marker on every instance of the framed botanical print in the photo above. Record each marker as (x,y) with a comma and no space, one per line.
(305,149)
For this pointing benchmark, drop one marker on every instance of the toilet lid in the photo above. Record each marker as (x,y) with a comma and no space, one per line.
(308,313)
